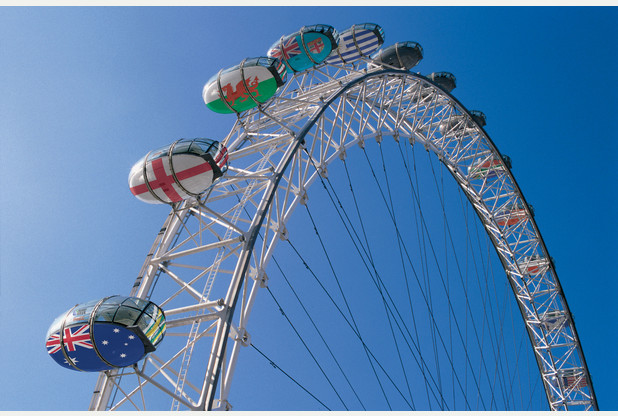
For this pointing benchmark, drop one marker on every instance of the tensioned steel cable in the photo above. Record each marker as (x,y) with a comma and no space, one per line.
(319,333)
(272,363)
(399,246)
(478,272)
(334,303)
(435,258)
(371,260)
(498,344)
(424,228)
(337,280)
(417,228)
(407,287)
(399,233)
(510,377)
(536,384)
(422,362)
(338,205)
(422,247)
(442,203)
(374,358)
(517,356)
(455,251)
(358,334)
(421,237)
(298,334)
(306,346)
(430,306)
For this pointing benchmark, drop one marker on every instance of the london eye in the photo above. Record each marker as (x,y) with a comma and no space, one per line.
(341,130)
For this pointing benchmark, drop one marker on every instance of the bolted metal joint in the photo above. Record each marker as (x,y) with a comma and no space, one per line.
(303,197)
(243,337)
(283,233)
(323,171)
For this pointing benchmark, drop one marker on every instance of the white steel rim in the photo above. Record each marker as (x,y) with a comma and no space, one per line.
(276,152)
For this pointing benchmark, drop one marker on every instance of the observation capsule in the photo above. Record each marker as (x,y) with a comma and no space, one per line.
(184,169)
(489,168)
(573,378)
(113,332)
(356,42)
(402,55)
(552,320)
(511,215)
(242,87)
(533,265)
(479,117)
(462,124)
(446,80)
(303,49)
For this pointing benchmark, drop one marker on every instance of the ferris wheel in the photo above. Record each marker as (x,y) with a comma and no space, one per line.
(210,260)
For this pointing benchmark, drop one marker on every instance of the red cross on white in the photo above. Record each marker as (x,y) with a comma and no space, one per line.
(316,46)
(165,181)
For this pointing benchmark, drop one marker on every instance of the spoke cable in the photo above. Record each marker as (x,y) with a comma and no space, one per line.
(406,280)
(496,357)
(288,376)
(319,332)
(350,325)
(332,192)
(435,258)
(305,345)
(345,300)
(371,260)
(415,194)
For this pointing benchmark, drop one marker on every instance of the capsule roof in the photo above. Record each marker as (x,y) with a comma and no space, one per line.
(402,55)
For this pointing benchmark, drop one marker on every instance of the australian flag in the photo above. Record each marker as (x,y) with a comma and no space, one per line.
(366,40)
(108,343)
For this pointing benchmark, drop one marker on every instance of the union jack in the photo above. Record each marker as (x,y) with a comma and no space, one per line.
(79,338)
(286,49)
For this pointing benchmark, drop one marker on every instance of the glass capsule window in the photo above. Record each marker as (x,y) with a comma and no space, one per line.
(327,30)
(106,313)
(55,326)
(152,324)
(127,316)
(133,312)
(197,147)
(136,303)
(377,29)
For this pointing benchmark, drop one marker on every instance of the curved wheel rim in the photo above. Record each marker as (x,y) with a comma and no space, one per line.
(278,156)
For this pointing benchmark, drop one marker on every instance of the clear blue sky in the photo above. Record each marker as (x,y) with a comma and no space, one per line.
(85,92)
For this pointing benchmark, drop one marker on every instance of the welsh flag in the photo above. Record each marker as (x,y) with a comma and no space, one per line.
(260,84)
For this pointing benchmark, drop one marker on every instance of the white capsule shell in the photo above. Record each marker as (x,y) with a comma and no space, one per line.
(190,171)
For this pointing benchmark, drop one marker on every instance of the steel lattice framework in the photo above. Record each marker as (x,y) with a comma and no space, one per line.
(208,262)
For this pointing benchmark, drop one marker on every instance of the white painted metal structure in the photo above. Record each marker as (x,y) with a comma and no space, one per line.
(207,264)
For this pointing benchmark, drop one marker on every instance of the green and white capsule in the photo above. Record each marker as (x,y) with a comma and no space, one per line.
(252,82)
